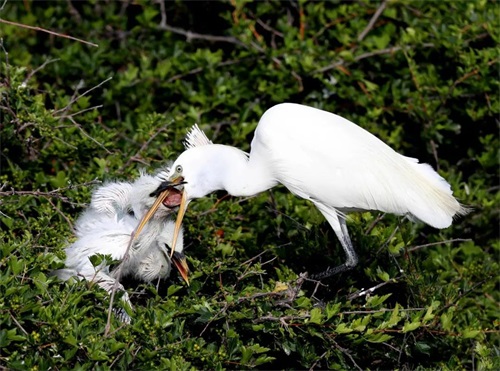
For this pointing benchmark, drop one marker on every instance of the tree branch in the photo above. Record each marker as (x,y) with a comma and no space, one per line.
(415,248)
(390,50)
(370,25)
(36,28)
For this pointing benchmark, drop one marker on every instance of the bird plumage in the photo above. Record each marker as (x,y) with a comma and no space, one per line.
(105,227)
(346,167)
(324,158)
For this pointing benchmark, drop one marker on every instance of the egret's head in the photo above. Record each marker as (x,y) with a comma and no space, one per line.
(199,169)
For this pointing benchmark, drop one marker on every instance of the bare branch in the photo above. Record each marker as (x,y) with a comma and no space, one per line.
(370,25)
(74,99)
(317,361)
(87,135)
(390,50)
(60,213)
(143,147)
(374,223)
(30,75)
(17,323)
(382,310)
(190,36)
(79,112)
(282,319)
(56,193)
(47,31)
(415,248)
(118,276)
(345,351)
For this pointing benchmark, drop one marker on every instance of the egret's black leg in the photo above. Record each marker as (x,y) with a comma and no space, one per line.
(340,227)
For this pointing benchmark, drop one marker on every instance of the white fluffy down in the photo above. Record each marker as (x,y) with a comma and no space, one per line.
(105,228)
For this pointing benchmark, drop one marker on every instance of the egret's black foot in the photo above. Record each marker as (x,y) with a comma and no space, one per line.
(332,272)
(122,315)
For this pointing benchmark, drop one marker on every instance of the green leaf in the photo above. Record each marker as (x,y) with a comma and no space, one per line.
(316,316)
(410,326)
(470,334)
(343,329)
(378,337)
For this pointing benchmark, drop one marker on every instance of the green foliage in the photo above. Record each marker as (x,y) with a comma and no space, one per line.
(423,77)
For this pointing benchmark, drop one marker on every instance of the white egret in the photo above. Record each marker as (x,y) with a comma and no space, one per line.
(105,227)
(323,158)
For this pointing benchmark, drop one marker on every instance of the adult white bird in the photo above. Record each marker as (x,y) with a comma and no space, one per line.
(323,158)
(106,226)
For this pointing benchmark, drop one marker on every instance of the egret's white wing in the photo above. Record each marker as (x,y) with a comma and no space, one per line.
(322,156)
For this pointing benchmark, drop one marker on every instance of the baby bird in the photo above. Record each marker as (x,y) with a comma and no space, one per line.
(105,227)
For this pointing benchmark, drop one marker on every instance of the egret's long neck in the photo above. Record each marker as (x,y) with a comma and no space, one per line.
(241,175)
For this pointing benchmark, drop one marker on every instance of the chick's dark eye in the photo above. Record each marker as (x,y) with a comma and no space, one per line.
(178,169)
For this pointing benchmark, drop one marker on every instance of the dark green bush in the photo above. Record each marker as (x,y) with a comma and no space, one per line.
(423,76)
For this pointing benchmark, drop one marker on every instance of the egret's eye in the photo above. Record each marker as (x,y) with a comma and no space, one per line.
(178,169)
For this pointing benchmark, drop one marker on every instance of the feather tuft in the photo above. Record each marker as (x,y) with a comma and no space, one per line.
(195,137)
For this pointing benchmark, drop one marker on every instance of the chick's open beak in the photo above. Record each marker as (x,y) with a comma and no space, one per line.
(179,260)
(161,193)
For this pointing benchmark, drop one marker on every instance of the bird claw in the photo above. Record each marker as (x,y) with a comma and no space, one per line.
(331,272)
(122,315)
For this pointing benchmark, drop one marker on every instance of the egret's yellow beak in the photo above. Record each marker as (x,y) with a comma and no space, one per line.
(179,261)
(180,216)
(161,197)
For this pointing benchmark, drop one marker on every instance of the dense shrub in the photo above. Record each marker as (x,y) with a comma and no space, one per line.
(422,76)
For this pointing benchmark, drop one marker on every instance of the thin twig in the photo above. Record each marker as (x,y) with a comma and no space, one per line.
(390,50)
(415,248)
(190,36)
(374,223)
(382,310)
(60,213)
(73,100)
(30,75)
(56,193)
(87,135)
(79,112)
(118,276)
(144,146)
(36,28)
(18,324)
(346,352)
(317,361)
(281,319)
(163,13)
(375,16)
(388,240)
(255,257)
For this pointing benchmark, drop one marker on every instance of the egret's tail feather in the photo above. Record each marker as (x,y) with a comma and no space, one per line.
(64,274)
(433,201)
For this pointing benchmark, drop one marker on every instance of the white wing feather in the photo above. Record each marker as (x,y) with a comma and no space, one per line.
(321,156)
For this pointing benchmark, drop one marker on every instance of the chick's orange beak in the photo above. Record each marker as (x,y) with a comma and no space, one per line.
(179,260)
